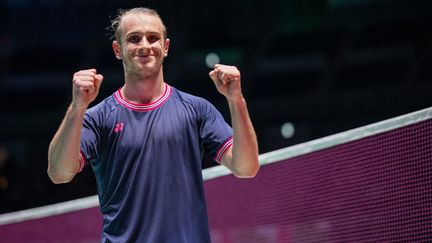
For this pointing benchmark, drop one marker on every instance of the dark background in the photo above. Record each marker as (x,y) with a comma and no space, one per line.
(325,66)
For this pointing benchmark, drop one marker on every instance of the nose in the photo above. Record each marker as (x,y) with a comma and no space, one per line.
(144,46)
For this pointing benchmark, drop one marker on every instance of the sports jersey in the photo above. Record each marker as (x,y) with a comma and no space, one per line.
(147,160)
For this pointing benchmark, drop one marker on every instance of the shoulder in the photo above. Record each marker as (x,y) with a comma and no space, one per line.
(199,106)
(103,108)
(189,99)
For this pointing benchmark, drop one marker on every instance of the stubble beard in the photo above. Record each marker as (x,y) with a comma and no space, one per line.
(145,70)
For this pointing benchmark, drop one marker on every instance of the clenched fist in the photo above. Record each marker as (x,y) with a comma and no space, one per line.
(86,84)
(227,80)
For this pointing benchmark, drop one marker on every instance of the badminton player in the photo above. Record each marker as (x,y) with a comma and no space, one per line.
(145,141)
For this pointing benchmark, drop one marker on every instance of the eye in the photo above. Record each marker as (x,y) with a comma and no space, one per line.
(152,38)
(134,39)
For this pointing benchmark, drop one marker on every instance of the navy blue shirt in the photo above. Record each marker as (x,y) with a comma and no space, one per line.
(147,160)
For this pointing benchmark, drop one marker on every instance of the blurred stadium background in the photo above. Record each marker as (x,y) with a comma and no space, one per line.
(311,67)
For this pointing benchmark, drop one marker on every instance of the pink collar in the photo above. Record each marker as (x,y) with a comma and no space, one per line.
(143,107)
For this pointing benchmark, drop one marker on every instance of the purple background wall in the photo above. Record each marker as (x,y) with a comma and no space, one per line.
(377,189)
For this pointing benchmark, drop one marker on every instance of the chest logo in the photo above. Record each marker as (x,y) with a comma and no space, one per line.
(118,127)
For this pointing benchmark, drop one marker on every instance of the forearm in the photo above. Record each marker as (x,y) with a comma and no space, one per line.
(242,157)
(63,152)
(244,160)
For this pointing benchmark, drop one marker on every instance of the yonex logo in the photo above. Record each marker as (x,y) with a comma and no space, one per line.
(118,127)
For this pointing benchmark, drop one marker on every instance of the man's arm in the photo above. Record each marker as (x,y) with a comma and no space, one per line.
(242,157)
(63,152)
(64,149)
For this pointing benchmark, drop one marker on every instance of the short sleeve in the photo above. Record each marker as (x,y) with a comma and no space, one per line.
(90,135)
(216,135)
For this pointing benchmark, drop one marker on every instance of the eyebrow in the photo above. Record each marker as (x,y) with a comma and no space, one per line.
(145,33)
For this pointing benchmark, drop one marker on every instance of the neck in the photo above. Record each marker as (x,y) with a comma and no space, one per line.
(142,89)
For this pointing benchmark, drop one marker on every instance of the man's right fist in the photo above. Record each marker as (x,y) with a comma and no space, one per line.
(86,84)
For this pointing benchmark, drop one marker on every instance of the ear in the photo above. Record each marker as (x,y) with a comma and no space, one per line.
(117,50)
(167,44)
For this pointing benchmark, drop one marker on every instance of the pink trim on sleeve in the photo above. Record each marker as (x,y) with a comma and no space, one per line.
(223,148)
(82,161)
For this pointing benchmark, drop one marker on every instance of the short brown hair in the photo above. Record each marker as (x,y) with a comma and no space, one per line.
(115,23)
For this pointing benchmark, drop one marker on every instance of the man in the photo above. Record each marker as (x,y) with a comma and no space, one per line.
(145,142)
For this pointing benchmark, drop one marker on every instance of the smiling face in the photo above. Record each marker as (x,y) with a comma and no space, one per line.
(142,45)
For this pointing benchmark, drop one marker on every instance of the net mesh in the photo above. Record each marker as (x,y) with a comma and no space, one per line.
(357,186)
(376,189)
